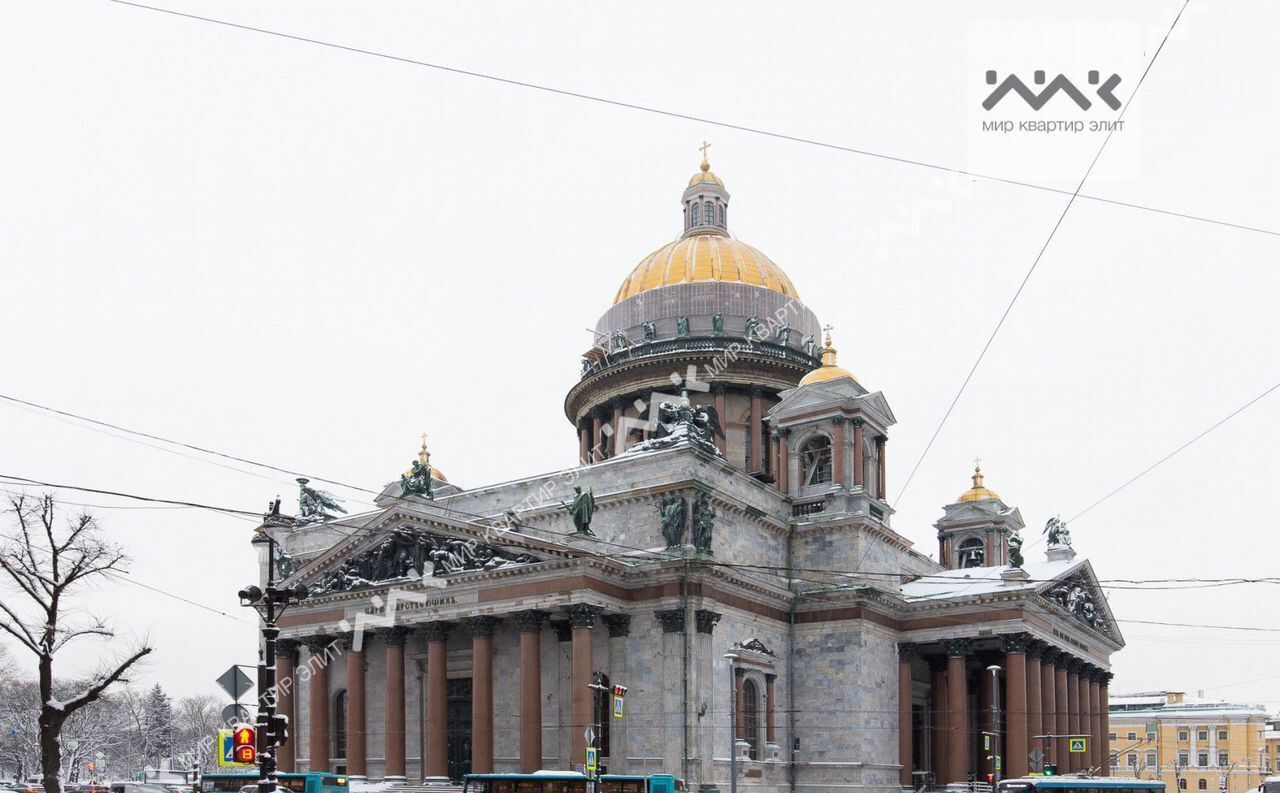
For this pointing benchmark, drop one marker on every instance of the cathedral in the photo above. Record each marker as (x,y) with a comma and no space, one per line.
(723,556)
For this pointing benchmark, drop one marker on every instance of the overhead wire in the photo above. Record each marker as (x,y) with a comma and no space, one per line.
(1036,261)
(690,117)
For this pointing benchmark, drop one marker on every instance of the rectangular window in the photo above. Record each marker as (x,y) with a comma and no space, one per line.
(1223,760)
(1202,735)
(1202,759)
(1151,736)
(1115,760)
(1111,737)
(1151,759)
(1222,735)
(1133,736)
(1183,759)
(1132,759)
(1184,735)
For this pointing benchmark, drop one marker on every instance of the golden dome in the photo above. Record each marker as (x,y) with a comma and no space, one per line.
(829,370)
(703,258)
(424,458)
(705,176)
(978,492)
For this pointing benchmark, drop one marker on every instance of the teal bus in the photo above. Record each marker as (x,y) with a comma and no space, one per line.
(1080,784)
(570,782)
(296,783)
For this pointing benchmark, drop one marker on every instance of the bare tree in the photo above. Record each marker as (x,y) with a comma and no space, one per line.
(50,566)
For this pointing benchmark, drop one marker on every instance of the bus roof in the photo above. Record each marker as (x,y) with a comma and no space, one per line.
(574,775)
(1070,782)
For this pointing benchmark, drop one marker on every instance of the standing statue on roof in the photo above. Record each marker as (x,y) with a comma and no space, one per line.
(314,505)
(1015,550)
(1056,528)
(417,480)
(582,509)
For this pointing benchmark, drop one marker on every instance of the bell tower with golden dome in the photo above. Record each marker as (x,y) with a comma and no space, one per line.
(974,530)
(705,313)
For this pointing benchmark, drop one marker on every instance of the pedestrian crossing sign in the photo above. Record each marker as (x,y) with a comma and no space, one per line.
(1077,745)
(591,759)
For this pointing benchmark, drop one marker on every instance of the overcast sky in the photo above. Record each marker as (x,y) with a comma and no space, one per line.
(307,257)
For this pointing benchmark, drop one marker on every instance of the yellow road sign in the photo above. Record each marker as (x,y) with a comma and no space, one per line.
(1077,745)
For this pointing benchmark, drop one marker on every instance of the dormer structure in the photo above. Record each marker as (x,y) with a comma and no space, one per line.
(974,531)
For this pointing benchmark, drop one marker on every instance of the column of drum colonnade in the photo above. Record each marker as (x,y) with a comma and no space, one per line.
(480,629)
(1034,703)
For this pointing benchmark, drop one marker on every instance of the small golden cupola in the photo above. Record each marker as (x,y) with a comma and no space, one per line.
(829,370)
(706,201)
(424,458)
(979,491)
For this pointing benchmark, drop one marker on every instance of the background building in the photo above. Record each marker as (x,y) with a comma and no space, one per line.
(1189,742)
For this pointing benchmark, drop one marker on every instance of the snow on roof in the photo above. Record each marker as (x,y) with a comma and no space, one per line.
(974,581)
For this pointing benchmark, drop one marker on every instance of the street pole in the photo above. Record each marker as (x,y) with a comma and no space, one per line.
(269,726)
(996,764)
(733,723)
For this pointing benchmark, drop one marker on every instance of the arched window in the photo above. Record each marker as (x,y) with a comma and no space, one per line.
(693,213)
(751,718)
(815,458)
(340,725)
(722,223)
(973,553)
(710,211)
(1202,784)
(1182,784)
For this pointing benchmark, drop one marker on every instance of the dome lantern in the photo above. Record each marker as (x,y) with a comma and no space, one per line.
(706,202)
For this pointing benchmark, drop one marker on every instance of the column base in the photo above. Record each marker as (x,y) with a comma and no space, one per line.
(436,780)
(395,778)
(357,777)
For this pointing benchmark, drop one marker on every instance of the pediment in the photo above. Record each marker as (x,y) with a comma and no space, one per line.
(1077,592)
(403,548)
(843,395)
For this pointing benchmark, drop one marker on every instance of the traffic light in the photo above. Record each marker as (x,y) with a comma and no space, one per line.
(1050,769)
(244,745)
(281,729)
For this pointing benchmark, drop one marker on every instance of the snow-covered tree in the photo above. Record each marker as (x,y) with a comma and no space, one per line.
(196,721)
(49,565)
(158,720)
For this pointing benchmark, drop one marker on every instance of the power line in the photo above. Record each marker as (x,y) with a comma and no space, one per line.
(690,117)
(1036,262)
(1171,454)
(228,510)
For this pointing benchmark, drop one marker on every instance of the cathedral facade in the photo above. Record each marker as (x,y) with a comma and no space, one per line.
(724,550)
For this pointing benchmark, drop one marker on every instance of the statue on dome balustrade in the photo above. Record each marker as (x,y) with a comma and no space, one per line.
(1056,528)
(1015,550)
(717,324)
(753,329)
(682,327)
(650,331)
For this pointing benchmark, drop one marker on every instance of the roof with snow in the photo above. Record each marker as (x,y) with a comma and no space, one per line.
(974,581)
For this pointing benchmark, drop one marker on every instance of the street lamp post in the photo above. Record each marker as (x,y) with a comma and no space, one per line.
(733,723)
(996,764)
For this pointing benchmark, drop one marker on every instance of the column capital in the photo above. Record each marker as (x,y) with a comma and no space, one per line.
(838,420)
(583,615)
(784,431)
(530,621)
(617,402)
(564,630)
(907,651)
(738,671)
(706,620)
(769,677)
(719,389)
(436,631)
(395,637)
(318,644)
(672,620)
(1016,642)
(957,648)
(619,625)
(858,421)
(349,640)
(288,647)
(1105,679)
(756,391)
(1035,650)
(481,627)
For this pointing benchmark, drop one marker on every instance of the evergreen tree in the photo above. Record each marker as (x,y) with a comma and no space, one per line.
(158,717)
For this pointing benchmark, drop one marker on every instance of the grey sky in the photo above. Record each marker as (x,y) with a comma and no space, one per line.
(308,257)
